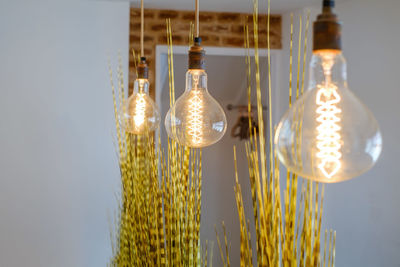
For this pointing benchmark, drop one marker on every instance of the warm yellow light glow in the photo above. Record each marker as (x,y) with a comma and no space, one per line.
(196,119)
(328,135)
(140,107)
(195,110)
(140,110)
(328,138)
(140,113)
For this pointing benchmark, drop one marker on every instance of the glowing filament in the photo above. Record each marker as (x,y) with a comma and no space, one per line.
(195,109)
(328,138)
(140,111)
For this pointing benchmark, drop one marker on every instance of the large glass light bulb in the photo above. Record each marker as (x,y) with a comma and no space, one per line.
(140,114)
(196,119)
(328,135)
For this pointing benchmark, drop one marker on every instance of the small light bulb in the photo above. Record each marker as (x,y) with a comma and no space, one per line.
(328,134)
(196,119)
(140,114)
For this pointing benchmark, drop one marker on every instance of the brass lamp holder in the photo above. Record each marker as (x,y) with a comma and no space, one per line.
(196,52)
(327,29)
(142,69)
(196,55)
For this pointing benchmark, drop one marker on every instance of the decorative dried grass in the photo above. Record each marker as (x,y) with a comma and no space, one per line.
(158,220)
(288,222)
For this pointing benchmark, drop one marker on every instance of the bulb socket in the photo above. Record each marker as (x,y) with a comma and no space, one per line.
(142,69)
(327,29)
(197,55)
(329,3)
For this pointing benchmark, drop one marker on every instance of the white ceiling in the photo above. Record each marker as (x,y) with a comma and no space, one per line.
(244,6)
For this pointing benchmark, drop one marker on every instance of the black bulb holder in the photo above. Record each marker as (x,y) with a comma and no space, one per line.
(329,3)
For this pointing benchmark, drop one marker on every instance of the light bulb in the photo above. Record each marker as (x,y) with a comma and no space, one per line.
(196,119)
(328,134)
(140,114)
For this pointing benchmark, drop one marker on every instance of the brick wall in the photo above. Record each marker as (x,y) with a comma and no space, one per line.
(216,29)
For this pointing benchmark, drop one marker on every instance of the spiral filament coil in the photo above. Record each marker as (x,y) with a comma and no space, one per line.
(328,138)
(195,110)
(140,111)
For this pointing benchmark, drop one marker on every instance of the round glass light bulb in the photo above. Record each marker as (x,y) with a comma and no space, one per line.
(196,119)
(328,135)
(140,114)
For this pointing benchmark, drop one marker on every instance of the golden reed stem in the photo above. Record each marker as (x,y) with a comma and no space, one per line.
(288,225)
(158,218)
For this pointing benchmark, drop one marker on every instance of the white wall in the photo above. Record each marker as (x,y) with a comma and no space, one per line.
(58,167)
(364,211)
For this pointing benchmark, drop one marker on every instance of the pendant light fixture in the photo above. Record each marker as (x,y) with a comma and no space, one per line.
(328,134)
(140,113)
(196,119)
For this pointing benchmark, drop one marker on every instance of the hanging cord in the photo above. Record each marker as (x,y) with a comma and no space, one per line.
(142,68)
(197,18)
(196,52)
(141,29)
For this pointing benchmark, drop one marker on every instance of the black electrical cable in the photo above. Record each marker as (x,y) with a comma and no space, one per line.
(328,3)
